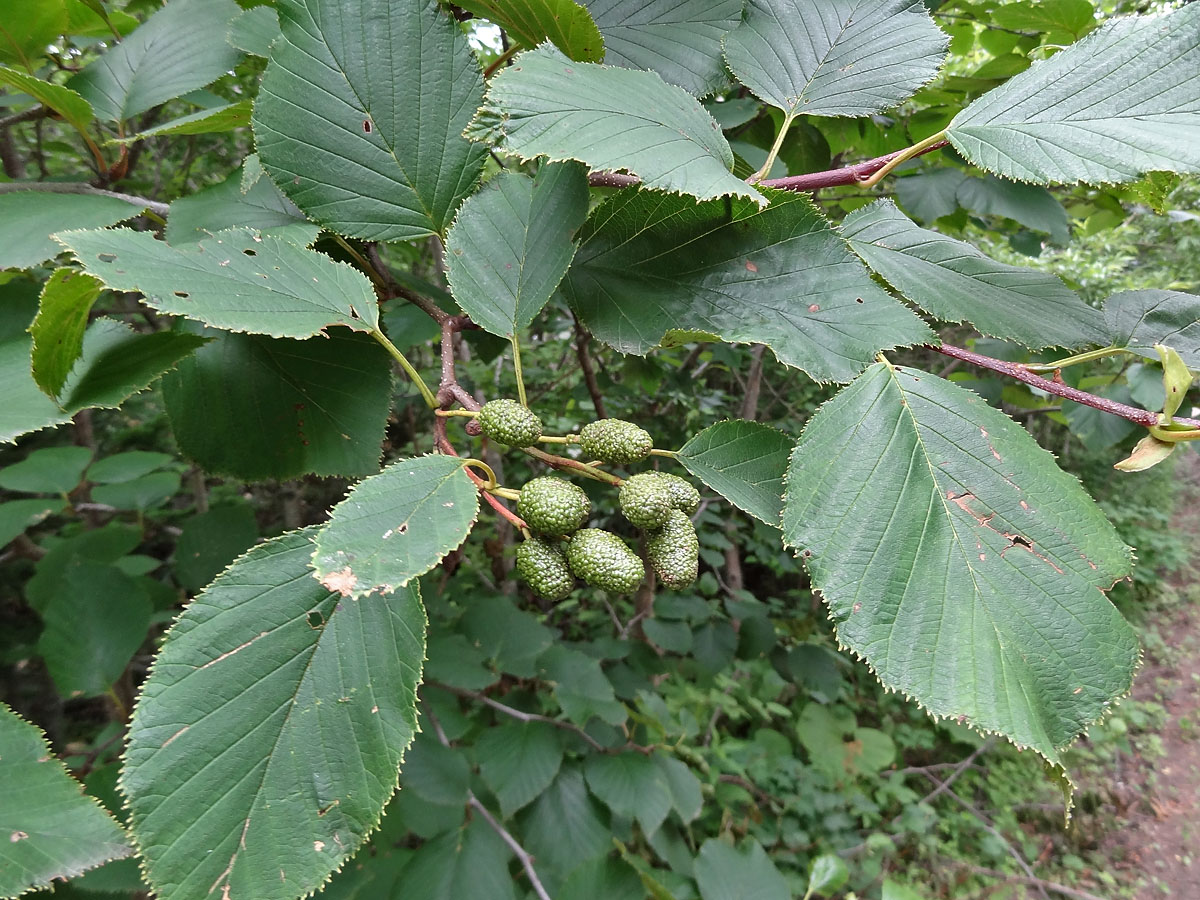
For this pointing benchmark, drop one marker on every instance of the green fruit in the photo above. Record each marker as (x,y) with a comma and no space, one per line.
(553,506)
(543,565)
(603,560)
(674,551)
(646,500)
(615,441)
(684,496)
(508,422)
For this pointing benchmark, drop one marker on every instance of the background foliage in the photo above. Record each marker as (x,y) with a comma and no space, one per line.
(712,743)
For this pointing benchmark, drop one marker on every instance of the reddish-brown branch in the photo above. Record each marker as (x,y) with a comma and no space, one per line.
(811,181)
(589,373)
(1057,388)
(444,445)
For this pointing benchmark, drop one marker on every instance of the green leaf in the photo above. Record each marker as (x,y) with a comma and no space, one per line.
(1030,205)
(94,623)
(467,865)
(611,879)
(210,541)
(170,54)
(631,785)
(580,686)
(931,194)
(744,462)
(609,118)
(206,121)
(254,30)
(18,515)
(683,785)
(649,266)
(518,761)
(512,243)
(29,27)
(725,873)
(564,23)
(827,874)
(437,774)
(229,204)
(396,525)
(259,408)
(1072,17)
(238,280)
(678,39)
(75,111)
(66,301)
(52,830)
(127,466)
(115,363)
(455,661)
(840,58)
(379,92)
(1137,320)
(563,828)
(267,738)
(28,218)
(52,470)
(142,493)
(1123,101)
(107,544)
(511,637)
(894,890)
(955,282)
(934,525)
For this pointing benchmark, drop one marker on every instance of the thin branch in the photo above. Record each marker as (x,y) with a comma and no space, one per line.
(521,853)
(396,289)
(582,338)
(855,174)
(992,830)
(944,786)
(74,187)
(1057,388)
(1038,883)
(520,715)
(26,115)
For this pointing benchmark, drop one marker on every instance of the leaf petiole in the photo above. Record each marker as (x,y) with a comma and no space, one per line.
(1076,359)
(408,367)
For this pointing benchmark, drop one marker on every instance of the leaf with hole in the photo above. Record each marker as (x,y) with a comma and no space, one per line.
(360,116)
(52,831)
(923,512)
(396,525)
(267,738)
(238,280)
(29,218)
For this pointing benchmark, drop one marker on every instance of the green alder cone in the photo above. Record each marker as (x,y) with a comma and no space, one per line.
(508,422)
(645,500)
(684,496)
(674,551)
(543,565)
(603,560)
(553,506)
(615,441)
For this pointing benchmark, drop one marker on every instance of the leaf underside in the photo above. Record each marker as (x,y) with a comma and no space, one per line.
(958,561)
(609,118)
(837,58)
(1123,101)
(954,281)
(744,462)
(1138,320)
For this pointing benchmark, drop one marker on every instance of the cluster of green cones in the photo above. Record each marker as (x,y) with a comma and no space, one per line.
(559,549)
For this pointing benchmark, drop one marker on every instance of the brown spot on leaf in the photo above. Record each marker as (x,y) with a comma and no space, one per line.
(751,267)
(341,582)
